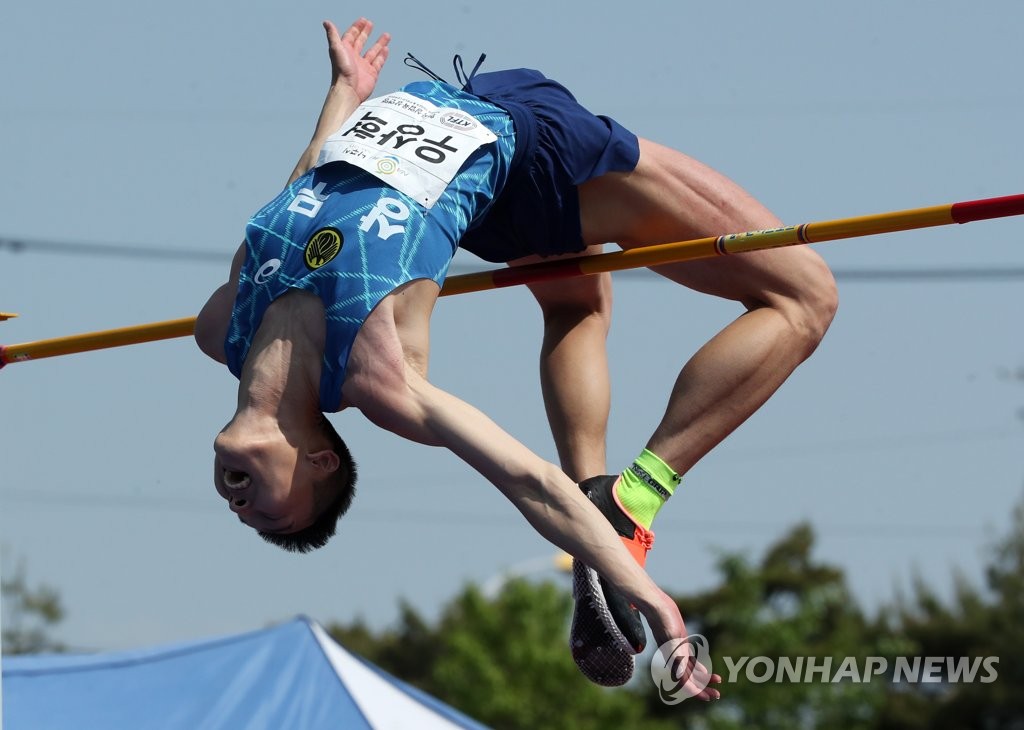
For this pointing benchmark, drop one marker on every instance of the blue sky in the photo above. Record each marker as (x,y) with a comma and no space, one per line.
(166,125)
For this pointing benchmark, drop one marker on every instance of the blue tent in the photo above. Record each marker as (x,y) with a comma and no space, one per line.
(289,677)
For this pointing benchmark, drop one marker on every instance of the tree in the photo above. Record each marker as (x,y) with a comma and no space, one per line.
(786,608)
(504,662)
(977,625)
(29,614)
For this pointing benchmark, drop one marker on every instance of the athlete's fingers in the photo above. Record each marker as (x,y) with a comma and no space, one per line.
(697,680)
(353,34)
(704,673)
(378,62)
(365,27)
(378,54)
(687,669)
(707,694)
(703,677)
(336,49)
(701,681)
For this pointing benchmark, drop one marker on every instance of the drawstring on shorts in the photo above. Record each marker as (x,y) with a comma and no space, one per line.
(460,71)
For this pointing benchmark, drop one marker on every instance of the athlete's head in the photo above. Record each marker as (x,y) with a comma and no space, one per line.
(291,490)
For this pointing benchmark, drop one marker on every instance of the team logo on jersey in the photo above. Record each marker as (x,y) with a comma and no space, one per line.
(323,246)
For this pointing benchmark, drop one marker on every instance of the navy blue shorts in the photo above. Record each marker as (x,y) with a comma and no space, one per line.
(559,145)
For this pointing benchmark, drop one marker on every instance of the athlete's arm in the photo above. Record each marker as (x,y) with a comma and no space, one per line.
(394,395)
(551,502)
(213,320)
(353,78)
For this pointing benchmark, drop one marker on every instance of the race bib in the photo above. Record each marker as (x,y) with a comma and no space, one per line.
(410,144)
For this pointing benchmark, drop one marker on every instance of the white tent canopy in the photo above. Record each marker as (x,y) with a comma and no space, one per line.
(292,676)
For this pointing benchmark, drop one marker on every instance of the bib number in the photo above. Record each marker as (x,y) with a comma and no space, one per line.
(408,143)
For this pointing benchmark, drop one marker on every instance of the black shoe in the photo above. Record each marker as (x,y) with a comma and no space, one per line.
(606,629)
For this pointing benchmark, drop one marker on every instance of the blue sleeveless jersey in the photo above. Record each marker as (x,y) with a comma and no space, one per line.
(351,239)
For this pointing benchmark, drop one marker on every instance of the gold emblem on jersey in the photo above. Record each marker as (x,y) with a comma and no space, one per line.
(323,246)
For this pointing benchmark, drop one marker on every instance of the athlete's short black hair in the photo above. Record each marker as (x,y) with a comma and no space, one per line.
(331,499)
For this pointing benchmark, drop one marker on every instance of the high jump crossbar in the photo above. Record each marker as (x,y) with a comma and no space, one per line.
(701,248)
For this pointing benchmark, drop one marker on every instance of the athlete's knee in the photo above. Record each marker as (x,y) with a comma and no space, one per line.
(823,298)
(812,307)
(567,303)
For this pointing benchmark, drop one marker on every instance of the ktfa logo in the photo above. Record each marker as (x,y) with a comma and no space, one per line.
(323,246)
(681,668)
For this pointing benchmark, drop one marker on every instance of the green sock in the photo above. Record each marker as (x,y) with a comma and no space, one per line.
(645,486)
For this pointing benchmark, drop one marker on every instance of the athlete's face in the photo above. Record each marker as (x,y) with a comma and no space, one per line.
(269,490)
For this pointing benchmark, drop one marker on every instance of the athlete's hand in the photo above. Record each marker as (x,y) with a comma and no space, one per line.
(685,669)
(350,66)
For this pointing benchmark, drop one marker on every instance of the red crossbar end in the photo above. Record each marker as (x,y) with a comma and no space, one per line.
(979,210)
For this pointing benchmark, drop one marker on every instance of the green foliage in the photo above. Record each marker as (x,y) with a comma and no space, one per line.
(977,624)
(29,613)
(784,606)
(504,662)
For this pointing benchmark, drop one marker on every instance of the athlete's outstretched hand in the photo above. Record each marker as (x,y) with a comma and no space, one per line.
(353,76)
(350,66)
(684,675)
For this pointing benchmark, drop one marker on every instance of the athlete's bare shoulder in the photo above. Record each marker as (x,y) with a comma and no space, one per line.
(394,336)
(212,323)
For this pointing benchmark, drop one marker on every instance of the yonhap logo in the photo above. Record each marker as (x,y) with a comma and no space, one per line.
(681,668)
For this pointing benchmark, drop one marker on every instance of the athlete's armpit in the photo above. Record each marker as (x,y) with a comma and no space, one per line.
(213,321)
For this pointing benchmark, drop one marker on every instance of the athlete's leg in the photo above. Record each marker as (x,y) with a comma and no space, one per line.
(606,631)
(574,367)
(789,294)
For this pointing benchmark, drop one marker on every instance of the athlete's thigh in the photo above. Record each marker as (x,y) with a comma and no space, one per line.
(673,197)
(592,292)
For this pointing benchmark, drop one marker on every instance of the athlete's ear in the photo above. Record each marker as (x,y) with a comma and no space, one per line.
(326,461)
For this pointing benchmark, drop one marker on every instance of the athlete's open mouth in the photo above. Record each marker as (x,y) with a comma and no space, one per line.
(235,479)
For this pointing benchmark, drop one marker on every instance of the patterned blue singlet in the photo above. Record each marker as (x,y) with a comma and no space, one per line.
(351,239)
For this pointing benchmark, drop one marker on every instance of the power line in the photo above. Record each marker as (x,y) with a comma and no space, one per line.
(158,253)
(485,519)
(18,245)
(489,520)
